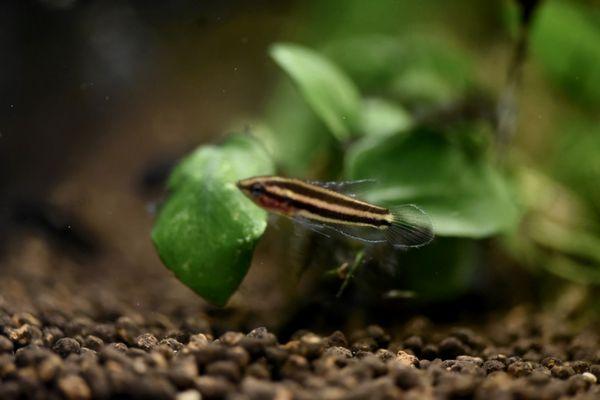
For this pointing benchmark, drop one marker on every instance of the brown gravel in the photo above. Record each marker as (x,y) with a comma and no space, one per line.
(49,354)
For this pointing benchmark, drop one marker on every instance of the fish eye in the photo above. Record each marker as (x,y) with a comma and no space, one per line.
(257,189)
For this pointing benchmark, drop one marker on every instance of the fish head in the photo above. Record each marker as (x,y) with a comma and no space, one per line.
(253,188)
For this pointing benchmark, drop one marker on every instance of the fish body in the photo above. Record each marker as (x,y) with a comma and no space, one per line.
(323,208)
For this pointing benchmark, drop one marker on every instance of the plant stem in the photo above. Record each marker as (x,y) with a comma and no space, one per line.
(507,108)
(357,262)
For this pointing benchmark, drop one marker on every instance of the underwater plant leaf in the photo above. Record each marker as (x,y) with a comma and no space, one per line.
(371,61)
(418,69)
(464,194)
(383,118)
(298,140)
(325,87)
(207,229)
(565,40)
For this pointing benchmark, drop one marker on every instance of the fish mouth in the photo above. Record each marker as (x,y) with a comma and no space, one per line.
(242,184)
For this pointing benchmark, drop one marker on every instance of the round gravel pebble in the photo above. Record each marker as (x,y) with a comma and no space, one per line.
(66,346)
(146,341)
(74,387)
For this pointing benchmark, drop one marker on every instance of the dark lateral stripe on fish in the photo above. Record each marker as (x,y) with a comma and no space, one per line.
(326,195)
(341,217)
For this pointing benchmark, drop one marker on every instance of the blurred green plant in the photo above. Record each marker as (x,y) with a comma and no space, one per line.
(330,94)
(396,110)
(565,40)
(410,166)
(465,195)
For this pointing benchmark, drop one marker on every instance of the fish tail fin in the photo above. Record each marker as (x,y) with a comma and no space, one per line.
(411,227)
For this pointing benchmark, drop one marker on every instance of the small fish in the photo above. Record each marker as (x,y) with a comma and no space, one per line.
(321,208)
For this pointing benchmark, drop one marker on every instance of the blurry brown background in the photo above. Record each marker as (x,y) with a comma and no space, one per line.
(98,99)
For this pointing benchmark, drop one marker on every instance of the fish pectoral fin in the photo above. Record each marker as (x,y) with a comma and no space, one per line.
(346,187)
(362,233)
(311,225)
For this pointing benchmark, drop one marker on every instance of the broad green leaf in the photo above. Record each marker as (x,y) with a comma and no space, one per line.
(383,118)
(434,72)
(464,195)
(422,86)
(565,39)
(371,61)
(207,230)
(417,69)
(300,143)
(327,90)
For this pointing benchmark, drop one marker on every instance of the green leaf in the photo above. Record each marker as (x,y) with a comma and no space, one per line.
(383,118)
(299,142)
(434,72)
(207,230)
(464,195)
(565,39)
(417,69)
(371,61)
(328,91)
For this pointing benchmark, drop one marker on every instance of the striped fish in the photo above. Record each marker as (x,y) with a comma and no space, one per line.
(322,208)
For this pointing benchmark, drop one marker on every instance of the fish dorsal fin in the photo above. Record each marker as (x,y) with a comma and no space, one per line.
(349,188)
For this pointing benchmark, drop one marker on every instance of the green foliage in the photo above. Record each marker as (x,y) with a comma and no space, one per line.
(207,230)
(566,41)
(578,251)
(433,73)
(339,18)
(370,61)
(464,194)
(424,71)
(383,118)
(577,161)
(305,131)
(560,234)
(418,70)
(330,94)
(354,109)
(299,142)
